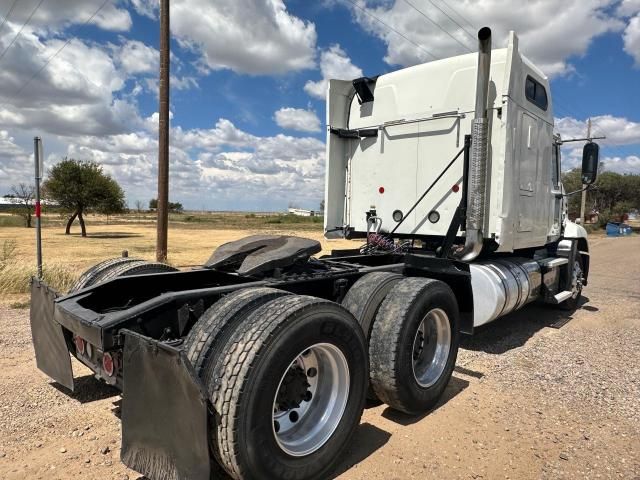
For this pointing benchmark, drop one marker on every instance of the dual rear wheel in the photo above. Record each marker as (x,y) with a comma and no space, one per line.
(286,381)
(287,375)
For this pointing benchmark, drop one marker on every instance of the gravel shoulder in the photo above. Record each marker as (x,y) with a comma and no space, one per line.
(527,400)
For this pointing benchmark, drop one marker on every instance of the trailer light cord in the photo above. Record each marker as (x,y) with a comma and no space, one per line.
(427,191)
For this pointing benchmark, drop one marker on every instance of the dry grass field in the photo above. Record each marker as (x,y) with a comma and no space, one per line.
(192,239)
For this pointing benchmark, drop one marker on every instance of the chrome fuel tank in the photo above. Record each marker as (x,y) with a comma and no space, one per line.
(503,285)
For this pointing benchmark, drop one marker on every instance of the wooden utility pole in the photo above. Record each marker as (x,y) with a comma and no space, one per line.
(163,135)
(583,200)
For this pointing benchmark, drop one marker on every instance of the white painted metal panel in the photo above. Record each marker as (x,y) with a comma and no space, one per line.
(406,158)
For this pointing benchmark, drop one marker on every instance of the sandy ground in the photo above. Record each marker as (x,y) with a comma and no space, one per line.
(527,400)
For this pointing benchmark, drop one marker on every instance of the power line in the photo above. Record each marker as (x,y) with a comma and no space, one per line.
(60,49)
(461,16)
(571,111)
(392,29)
(450,18)
(21,28)
(435,23)
(6,17)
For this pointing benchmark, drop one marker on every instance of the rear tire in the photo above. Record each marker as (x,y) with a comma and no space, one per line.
(216,325)
(91,276)
(117,267)
(141,267)
(414,344)
(363,300)
(259,371)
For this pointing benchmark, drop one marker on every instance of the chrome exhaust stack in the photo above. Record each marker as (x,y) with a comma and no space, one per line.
(477,177)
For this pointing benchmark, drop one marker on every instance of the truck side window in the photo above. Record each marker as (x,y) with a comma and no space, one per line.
(536,93)
(555,167)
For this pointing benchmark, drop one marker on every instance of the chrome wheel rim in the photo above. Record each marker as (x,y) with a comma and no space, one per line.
(431,346)
(576,280)
(310,399)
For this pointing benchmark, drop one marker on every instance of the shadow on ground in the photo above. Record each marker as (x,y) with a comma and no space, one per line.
(367,439)
(455,386)
(514,330)
(88,389)
(107,235)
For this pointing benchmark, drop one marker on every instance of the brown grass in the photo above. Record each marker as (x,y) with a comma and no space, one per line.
(190,244)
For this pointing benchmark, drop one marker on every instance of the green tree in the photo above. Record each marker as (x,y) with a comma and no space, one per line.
(612,195)
(173,207)
(81,186)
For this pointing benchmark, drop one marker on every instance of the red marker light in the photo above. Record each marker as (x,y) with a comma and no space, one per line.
(80,345)
(381,190)
(455,188)
(108,365)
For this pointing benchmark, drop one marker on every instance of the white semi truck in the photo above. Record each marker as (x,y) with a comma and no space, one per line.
(259,363)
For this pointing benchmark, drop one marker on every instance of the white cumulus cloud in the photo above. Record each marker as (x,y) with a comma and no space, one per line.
(618,130)
(258,37)
(135,57)
(297,119)
(549,35)
(631,39)
(334,64)
(62,13)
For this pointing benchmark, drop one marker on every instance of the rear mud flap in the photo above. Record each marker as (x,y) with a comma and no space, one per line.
(52,353)
(164,412)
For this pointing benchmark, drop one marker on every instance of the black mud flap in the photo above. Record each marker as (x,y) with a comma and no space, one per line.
(52,353)
(164,412)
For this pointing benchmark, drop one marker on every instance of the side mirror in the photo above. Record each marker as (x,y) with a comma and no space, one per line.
(590,158)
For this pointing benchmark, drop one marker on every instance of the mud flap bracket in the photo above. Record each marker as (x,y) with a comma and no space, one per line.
(164,412)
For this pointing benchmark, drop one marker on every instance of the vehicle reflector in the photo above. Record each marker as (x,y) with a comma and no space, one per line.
(381,189)
(108,365)
(455,188)
(80,345)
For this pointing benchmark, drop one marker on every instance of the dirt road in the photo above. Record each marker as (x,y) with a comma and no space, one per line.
(527,400)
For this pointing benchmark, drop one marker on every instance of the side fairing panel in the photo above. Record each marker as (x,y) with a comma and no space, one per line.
(338,154)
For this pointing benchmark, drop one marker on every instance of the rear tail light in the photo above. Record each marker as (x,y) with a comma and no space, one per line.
(80,345)
(108,364)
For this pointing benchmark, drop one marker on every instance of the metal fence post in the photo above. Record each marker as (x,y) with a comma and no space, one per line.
(37,155)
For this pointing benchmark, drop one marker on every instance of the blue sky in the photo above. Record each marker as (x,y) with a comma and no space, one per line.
(247,89)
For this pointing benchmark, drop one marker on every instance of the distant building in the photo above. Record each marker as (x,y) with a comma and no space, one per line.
(9,203)
(301,212)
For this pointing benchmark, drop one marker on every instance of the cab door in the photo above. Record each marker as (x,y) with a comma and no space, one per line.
(556,194)
(527,173)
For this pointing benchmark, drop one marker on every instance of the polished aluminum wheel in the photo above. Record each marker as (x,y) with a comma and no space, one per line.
(431,347)
(310,399)
(576,280)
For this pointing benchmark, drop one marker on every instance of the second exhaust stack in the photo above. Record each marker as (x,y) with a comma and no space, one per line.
(477,179)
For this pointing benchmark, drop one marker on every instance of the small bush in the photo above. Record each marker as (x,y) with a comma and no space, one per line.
(15,276)
(7,252)
(11,221)
(20,305)
(290,218)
